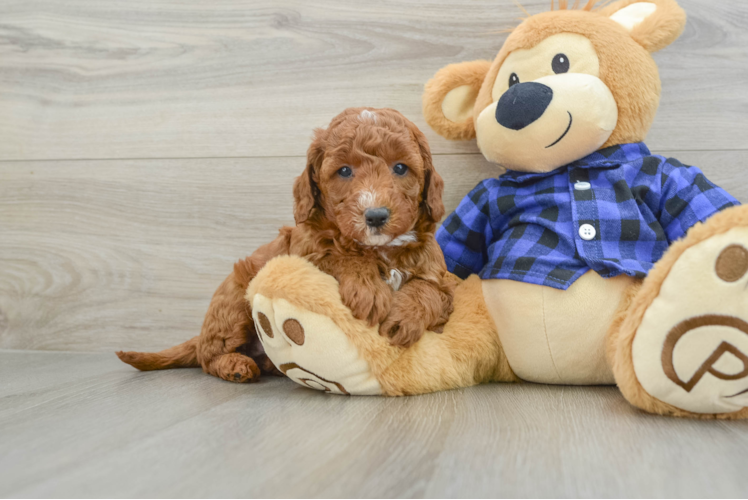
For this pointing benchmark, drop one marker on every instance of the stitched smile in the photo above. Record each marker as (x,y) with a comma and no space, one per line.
(564,134)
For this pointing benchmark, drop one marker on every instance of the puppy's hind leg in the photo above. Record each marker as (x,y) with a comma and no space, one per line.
(228,346)
(227,327)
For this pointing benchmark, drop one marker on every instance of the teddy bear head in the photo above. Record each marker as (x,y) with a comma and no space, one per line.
(565,83)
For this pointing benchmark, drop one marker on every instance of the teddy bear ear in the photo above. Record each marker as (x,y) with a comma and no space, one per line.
(449,99)
(653,24)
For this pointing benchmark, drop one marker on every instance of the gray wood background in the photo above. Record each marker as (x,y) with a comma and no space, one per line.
(147,144)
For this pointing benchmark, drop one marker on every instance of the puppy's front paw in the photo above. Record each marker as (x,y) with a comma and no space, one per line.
(404,328)
(236,367)
(366,302)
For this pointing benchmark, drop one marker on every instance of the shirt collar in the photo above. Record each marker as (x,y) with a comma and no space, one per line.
(612,156)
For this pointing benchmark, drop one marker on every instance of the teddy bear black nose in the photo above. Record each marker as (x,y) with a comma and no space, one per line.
(522,104)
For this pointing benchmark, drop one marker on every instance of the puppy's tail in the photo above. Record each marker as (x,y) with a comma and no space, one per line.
(181,356)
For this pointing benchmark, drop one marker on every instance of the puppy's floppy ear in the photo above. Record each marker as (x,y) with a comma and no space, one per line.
(653,24)
(432,194)
(305,190)
(449,99)
(433,185)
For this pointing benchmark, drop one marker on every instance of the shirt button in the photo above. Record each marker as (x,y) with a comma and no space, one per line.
(582,186)
(587,232)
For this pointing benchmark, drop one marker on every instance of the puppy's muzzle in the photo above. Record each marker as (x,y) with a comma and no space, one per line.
(523,104)
(376,217)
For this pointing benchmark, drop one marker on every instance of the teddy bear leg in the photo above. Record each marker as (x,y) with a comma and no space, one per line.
(466,353)
(680,345)
(314,339)
(306,330)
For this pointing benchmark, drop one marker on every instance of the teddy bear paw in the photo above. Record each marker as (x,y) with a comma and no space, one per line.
(311,349)
(691,348)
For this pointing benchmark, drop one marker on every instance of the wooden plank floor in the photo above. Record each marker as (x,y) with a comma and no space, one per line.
(84,425)
(147,144)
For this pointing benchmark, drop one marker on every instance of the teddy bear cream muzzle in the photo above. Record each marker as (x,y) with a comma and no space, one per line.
(541,125)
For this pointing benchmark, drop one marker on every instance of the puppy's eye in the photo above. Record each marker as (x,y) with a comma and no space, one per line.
(400,169)
(345,172)
(513,79)
(560,64)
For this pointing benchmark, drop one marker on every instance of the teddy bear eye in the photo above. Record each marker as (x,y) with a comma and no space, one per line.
(560,64)
(513,79)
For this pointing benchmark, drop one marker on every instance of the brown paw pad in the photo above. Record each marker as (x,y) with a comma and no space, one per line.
(265,324)
(732,263)
(294,331)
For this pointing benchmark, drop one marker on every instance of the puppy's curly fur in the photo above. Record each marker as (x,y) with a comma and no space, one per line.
(393,275)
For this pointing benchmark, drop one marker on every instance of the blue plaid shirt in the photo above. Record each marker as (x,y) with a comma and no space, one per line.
(615,211)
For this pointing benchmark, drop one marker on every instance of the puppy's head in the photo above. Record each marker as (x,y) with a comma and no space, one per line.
(370,174)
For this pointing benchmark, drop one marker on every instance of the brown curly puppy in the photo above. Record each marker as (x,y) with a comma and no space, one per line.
(366,209)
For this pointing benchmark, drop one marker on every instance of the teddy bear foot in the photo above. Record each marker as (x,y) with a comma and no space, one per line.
(690,350)
(306,345)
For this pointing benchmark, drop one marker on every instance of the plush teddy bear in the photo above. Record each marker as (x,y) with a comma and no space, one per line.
(590,261)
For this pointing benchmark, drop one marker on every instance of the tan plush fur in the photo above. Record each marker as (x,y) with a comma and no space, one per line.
(623,330)
(332,233)
(471,73)
(466,353)
(628,70)
(657,31)
(625,65)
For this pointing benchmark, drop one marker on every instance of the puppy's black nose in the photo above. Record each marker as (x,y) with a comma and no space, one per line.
(522,104)
(376,217)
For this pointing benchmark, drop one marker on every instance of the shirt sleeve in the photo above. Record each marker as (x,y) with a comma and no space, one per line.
(688,197)
(464,233)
